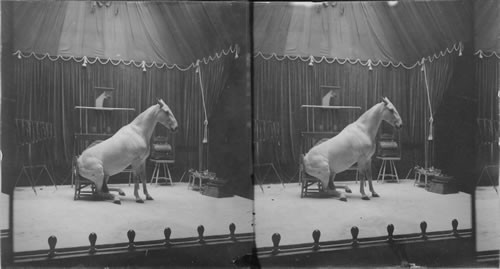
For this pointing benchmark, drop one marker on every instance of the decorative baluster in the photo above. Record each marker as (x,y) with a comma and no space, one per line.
(92,239)
(201,230)
(232,229)
(454,224)
(167,232)
(131,238)
(276,242)
(423,228)
(390,233)
(52,245)
(355,233)
(316,235)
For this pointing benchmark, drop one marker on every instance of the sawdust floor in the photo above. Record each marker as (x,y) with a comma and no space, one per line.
(54,212)
(280,209)
(487,219)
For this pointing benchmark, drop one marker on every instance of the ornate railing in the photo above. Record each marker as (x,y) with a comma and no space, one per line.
(453,247)
(425,248)
(217,250)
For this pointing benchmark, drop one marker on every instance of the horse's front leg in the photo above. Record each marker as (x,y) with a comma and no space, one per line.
(144,180)
(140,174)
(369,176)
(366,174)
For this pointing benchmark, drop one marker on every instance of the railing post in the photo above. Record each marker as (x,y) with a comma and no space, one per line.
(131,238)
(52,245)
(423,228)
(276,242)
(454,224)
(355,233)
(232,229)
(390,233)
(92,239)
(316,235)
(167,232)
(201,230)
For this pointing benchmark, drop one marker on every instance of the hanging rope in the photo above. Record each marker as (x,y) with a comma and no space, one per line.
(205,123)
(431,118)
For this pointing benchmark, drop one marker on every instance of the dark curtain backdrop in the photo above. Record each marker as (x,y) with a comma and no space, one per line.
(48,91)
(361,30)
(162,32)
(487,26)
(282,86)
(488,85)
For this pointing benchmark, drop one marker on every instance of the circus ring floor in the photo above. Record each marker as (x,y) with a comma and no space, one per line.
(487,219)
(54,212)
(281,210)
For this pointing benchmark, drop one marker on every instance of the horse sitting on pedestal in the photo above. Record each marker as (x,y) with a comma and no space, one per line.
(354,144)
(128,146)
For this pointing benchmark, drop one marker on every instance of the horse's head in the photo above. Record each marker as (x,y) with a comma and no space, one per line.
(166,117)
(390,114)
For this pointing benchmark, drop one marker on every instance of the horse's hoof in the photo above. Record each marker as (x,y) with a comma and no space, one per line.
(375,194)
(343,199)
(140,201)
(122,193)
(149,198)
(366,198)
(348,190)
(118,202)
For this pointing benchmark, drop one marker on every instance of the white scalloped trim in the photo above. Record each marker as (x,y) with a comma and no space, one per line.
(456,47)
(86,60)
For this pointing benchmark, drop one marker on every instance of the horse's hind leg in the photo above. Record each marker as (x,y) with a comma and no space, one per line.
(91,168)
(109,195)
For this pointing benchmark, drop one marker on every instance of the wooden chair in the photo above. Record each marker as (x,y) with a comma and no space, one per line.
(389,151)
(83,186)
(308,184)
(162,154)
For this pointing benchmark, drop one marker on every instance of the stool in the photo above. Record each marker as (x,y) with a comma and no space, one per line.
(195,175)
(419,172)
(393,174)
(159,164)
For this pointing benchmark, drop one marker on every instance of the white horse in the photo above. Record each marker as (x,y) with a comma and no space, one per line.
(128,146)
(354,144)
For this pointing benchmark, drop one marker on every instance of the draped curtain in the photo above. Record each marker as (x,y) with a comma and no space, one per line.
(48,91)
(488,86)
(282,85)
(155,32)
(361,30)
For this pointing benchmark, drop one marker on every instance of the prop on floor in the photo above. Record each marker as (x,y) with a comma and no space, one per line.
(30,134)
(442,184)
(216,187)
(354,144)
(128,146)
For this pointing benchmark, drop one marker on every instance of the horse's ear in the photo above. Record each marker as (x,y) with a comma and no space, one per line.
(385,100)
(159,102)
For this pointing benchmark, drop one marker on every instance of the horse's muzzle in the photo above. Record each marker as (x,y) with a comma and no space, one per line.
(399,126)
(174,129)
